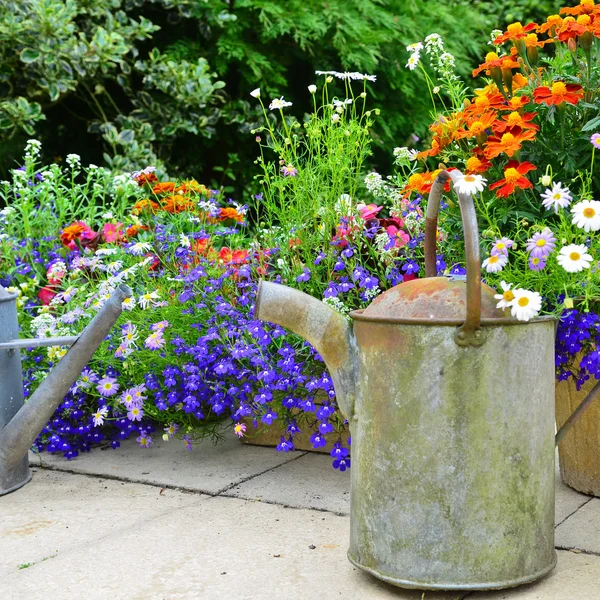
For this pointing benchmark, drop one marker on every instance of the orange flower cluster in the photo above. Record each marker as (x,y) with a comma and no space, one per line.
(498,120)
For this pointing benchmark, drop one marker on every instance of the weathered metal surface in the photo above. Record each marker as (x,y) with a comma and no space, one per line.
(23,344)
(21,423)
(467,334)
(433,299)
(452,447)
(453,456)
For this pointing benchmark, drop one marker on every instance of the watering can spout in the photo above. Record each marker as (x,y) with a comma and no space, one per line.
(328,332)
(21,430)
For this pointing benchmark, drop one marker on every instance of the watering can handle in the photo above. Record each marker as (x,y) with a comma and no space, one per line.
(468,334)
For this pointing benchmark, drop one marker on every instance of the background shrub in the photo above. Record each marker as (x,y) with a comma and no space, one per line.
(127,83)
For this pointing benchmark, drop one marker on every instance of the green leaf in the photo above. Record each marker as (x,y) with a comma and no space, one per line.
(126,136)
(593,124)
(29,55)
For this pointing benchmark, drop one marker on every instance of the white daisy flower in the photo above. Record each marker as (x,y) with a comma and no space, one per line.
(416,47)
(148,298)
(495,263)
(279,103)
(184,240)
(128,303)
(526,305)
(99,416)
(139,248)
(506,297)
(413,61)
(470,184)
(574,258)
(557,197)
(586,215)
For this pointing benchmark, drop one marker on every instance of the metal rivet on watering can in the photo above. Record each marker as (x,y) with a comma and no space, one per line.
(451,408)
(21,423)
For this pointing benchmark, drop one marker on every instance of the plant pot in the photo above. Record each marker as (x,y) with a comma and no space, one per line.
(579,451)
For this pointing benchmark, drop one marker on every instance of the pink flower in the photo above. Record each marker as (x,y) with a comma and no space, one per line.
(368,211)
(289,171)
(135,413)
(239,429)
(398,236)
(112,233)
(46,294)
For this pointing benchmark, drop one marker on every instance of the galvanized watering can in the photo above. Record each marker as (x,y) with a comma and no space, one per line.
(21,423)
(451,408)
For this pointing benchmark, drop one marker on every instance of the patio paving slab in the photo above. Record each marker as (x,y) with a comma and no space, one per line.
(217,548)
(568,500)
(582,529)
(208,468)
(309,482)
(57,513)
(576,577)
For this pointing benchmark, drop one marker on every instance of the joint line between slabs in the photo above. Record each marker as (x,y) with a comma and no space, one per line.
(232,485)
(576,550)
(571,514)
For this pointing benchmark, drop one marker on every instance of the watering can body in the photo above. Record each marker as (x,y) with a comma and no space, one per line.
(450,402)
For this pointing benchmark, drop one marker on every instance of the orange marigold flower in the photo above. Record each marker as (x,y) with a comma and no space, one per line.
(143,178)
(572,29)
(72,232)
(485,100)
(477,164)
(559,92)
(145,204)
(178,203)
(509,143)
(230,213)
(516,119)
(514,32)
(514,177)
(164,187)
(193,186)
(519,81)
(552,22)
(518,102)
(133,230)
(586,7)
(419,182)
(476,127)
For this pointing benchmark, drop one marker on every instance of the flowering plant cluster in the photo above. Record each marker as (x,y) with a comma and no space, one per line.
(525,142)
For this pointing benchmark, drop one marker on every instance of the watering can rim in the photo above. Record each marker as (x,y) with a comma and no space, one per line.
(357,315)
(6,296)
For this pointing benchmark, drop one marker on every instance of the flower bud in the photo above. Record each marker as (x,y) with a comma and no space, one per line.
(312,89)
(546,180)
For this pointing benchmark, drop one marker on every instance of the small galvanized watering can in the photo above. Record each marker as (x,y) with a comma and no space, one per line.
(451,408)
(21,423)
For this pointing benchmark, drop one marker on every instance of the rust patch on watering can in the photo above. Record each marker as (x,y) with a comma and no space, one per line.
(435,298)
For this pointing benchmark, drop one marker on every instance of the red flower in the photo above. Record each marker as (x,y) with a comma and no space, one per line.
(46,294)
(513,178)
(559,92)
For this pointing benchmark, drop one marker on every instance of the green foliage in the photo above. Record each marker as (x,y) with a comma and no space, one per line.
(166,82)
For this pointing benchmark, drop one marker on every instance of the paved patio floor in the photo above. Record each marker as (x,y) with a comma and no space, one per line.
(233,522)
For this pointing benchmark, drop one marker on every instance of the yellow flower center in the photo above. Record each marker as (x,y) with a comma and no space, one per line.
(559,88)
(491,56)
(508,296)
(554,20)
(473,163)
(507,63)
(588,3)
(535,261)
(515,102)
(482,102)
(541,243)
(523,301)
(508,139)
(107,386)
(574,256)
(584,20)
(514,118)
(589,212)
(511,175)
(500,245)
(515,28)
(531,40)
(557,196)
(493,259)
(477,127)
(469,178)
